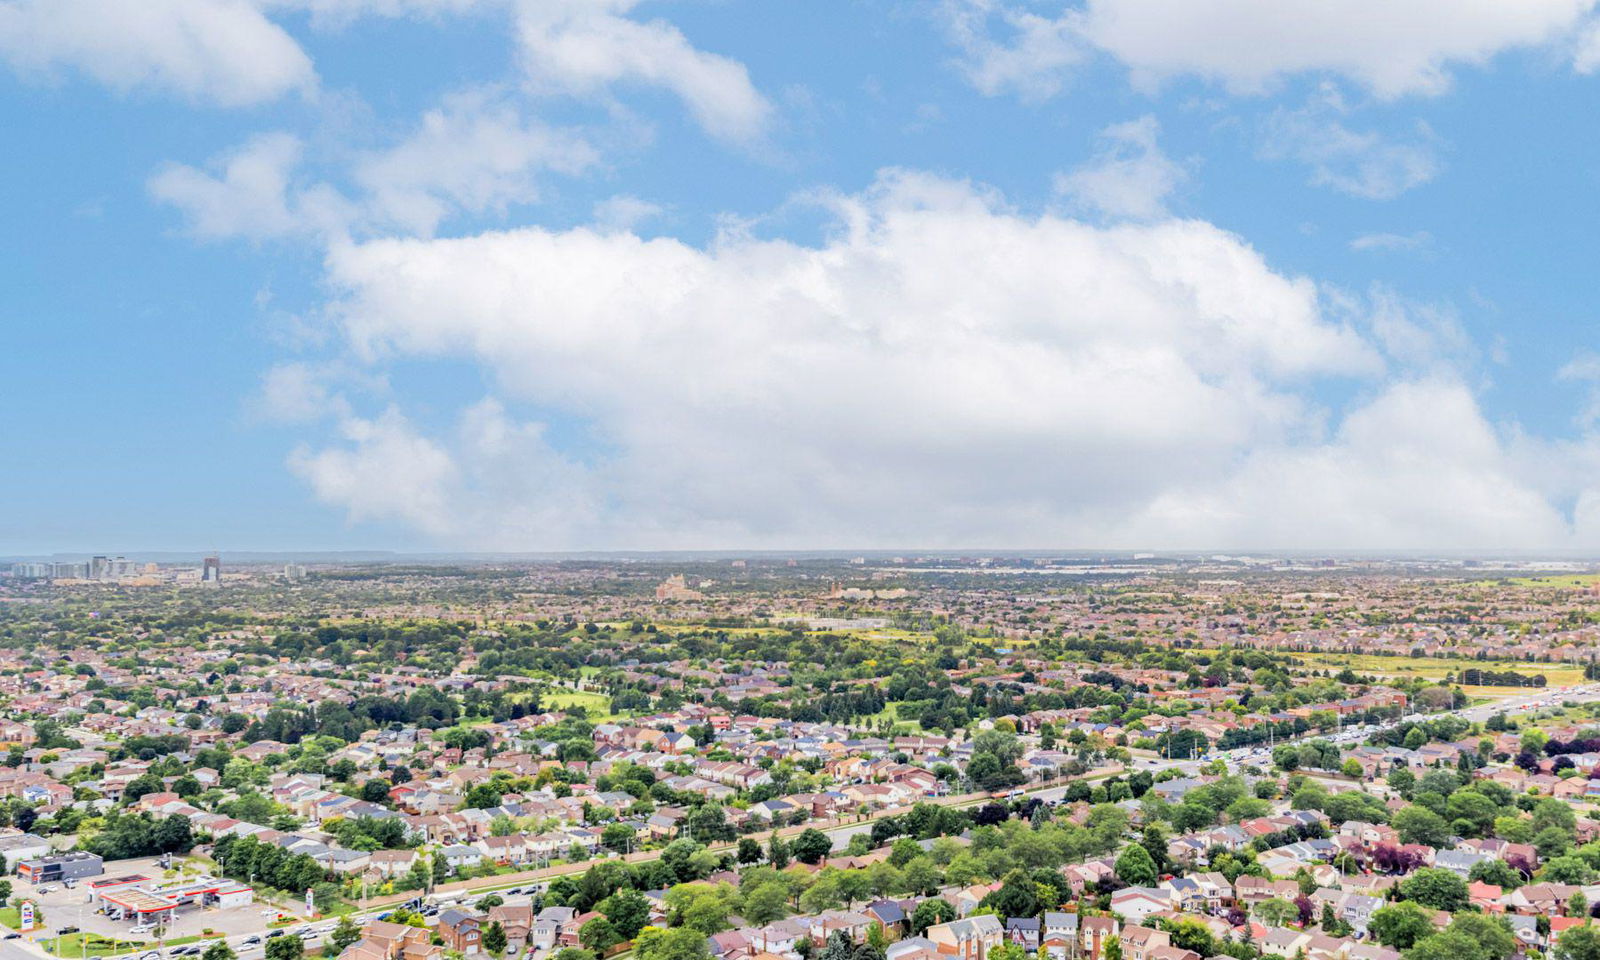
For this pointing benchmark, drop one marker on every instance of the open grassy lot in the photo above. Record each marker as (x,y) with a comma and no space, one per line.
(891,712)
(598,704)
(1574,581)
(1436,668)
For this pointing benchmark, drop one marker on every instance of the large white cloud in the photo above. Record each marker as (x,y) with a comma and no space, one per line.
(942,370)
(1391,48)
(218,51)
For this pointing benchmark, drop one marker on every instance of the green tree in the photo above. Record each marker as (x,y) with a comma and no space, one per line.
(1492,934)
(765,902)
(218,951)
(811,846)
(1135,868)
(931,913)
(493,940)
(1436,888)
(285,948)
(1420,825)
(1277,912)
(344,933)
(1447,946)
(628,910)
(777,851)
(1497,872)
(682,943)
(599,935)
(1578,943)
(1567,869)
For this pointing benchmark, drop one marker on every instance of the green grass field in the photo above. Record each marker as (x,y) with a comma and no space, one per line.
(598,704)
(1436,668)
(1572,581)
(890,712)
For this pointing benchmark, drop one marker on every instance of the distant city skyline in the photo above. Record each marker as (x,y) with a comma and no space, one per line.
(533,276)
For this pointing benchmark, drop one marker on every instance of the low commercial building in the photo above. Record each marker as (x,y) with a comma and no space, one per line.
(79,865)
(16,847)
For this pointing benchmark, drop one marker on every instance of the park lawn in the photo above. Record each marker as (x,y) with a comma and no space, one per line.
(598,704)
(891,713)
(1435,668)
(1570,581)
(1491,693)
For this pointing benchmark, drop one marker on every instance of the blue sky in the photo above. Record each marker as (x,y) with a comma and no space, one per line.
(568,274)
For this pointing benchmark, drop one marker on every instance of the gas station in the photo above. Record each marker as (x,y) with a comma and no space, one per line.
(132,898)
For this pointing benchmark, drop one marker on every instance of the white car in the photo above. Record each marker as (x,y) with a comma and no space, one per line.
(140,928)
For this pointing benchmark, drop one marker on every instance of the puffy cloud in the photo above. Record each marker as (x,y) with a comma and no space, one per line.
(585,47)
(1362,164)
(388,472)
(472,489)
(295,393)
(1006,47)
(250,193)
(474,153)
(942,370)
(1417,467)
(1128,177)
(220,51)
(1392,49)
